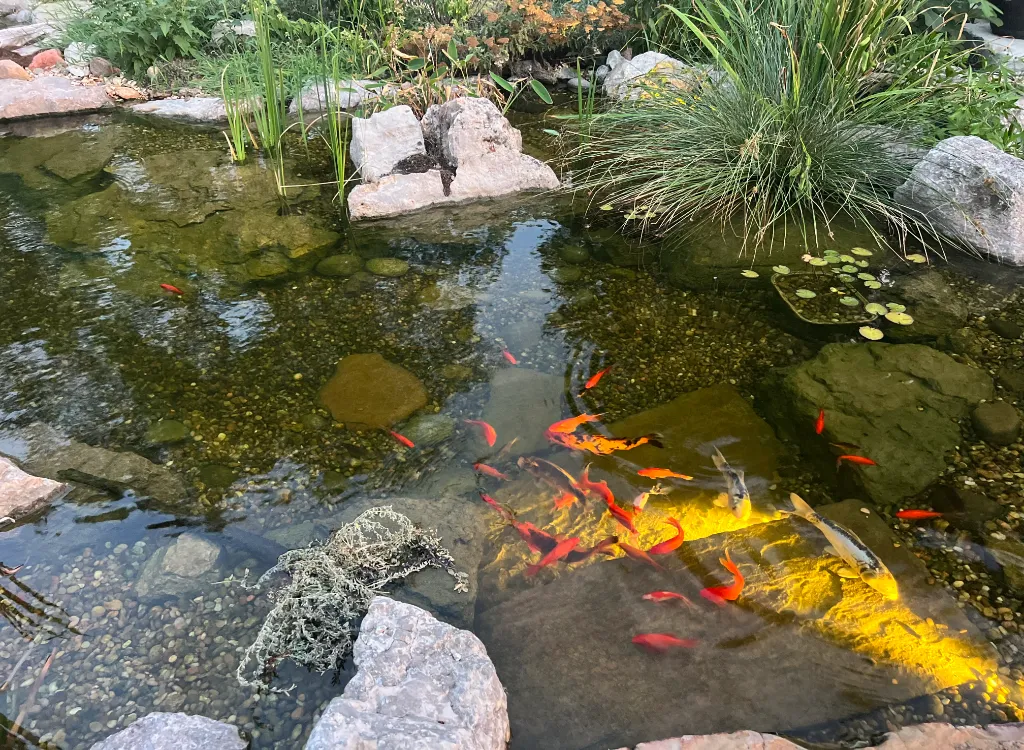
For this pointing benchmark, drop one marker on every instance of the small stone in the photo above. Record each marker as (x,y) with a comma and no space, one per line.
(114,605)
(99,610)
(996,422)
(46,59)
(574,254)
(1006,329)
(166,432)
(389,267)
(11,70)
(566,275)
(334,481)
(339,265)
(101,67)
(1012,379)
(429,429)
(456,371)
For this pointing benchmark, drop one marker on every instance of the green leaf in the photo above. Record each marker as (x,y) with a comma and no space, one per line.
(871,333)
(865,277)
(509,87)
(165,27)
(607,207)
(541,91)
(784,270)
(749,274)
(452,51)
(849,301)
(917,258)
(805,294)
(818,262)
(861,251)
(899,318)
(873,284)
(875,308)
(845,277)
(416,63)
(896,306)
(849,269)
(553,133)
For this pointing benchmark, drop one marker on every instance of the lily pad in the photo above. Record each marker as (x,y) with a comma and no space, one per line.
(865,277)
(917,258)
(849,301)
(849,269)
(870,333)
(847,258)
(781,269)
(861,251)
(876,308)
(873,284)
(607,207)
(845,277)
(818,262)
(805,294)
(750,274)
(899,318)
(896,307)
(861,263)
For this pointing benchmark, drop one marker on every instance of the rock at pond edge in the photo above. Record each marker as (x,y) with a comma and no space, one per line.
(369,390)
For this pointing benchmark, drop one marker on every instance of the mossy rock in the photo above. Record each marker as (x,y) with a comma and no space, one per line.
(574,254)
(339,265)
(566,275)
(166,432)
(388,267)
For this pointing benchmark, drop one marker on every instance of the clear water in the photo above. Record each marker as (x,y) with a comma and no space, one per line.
(91,346)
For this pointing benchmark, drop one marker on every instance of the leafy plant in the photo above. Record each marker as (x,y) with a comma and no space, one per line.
(983,103)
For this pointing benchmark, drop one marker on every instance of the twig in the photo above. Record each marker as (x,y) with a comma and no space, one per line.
(31,697)
(17,666)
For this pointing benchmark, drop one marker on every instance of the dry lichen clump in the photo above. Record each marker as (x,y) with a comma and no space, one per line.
(331,585)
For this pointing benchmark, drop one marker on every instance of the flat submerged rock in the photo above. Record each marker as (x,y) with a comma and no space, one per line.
(47,95)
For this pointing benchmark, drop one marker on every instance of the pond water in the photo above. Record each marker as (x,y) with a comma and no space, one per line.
(220,388)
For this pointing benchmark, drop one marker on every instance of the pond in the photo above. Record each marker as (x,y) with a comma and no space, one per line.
(169,329)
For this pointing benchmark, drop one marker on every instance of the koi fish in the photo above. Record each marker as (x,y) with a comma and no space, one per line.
(623,517)
(506,448)
(402,439)
(489,471)
(561,549)
(722,594)
(845,447)
(666,596)
(502,510)
(572,423)
(537,540)
(861,460)
(601,489)
(604,446)
(509,358)
(917,515)
(737,499)
(669,545)
(659,643)
(488,432)
(603,547)
(848,547)
(653,473)
(554,476)
(171,288)
(8,572)
(638,554)
(640,501)
(595,379)
(819,425)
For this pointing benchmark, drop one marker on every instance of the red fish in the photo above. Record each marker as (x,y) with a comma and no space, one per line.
(402,439)
(722,594)
(917,515)
(502,511)
(602,547)
(601,489)
(488,432)
(622,516)
(171,288)
(638,554)
(862,460)
(594,380)
(489,471)
(561,549)
(819,425)
(654,473)
(659,643)
(669,545)
(666,596)
(536,539)
(845,447)
(604,446)
(509,358)
(570,424)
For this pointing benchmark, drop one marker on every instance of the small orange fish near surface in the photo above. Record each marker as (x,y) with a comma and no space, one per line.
(638,554)
(659,643)
(601,489)
(489,433)
(502,511)
(595,379)
(402,439)
(917,515)
(623,517)
(509,358)
(536,539)
(171,288)
(489,471)
(666,596)
(861,460)
(570,424)
(722,594)
(669,545)
(603,547)
(819,425)
(561,549)
(655,473)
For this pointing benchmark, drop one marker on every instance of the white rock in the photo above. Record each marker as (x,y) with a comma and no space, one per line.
(614,59)
(9,7)
(578,83)
(743,740)
(20,36)
(647,66)
(421,685)
(383,140)
(464,129)
(1001,49)
(939,735)
(22,493)
(79,53)
(185,566)
(197,109)
(602,72)
(165,731)
(347,94)
(20,18)
(973,193)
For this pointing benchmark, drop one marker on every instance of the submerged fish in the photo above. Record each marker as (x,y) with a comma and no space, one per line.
(489,433)
(502,510)
(666,596)
(737,498)
(846,545)
(819,424)
(917,515)
(171,288)
(489,471)
(565,426)
(603,547)
(862,460)
(561,549)
(509,358)
(638,554)
(554,476)
(7,572)
(845,447)
(536,539)
(722,594)
(622,516)
(655,473)
(601,489)
(669,545)
(595,379)
(661,642)
(402,439)
(640,501)
(600,445)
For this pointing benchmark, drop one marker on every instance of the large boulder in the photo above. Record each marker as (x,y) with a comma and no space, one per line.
(465,129)
(22,494)
(901,404)
(22,36)
(166,731)
(941,735)
(421,685)
(1004,50)
(198,109)
(383,140)
(972,193)
(744,740)
(367,389)
(48,95)
(932,299)
(628,78)
(187,565)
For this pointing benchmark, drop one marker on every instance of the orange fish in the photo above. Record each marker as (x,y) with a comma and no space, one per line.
(508,356)
(638,554)
(722,594)
(669,545)
(488,432)
(536,539)
(570,424)
(603,446)
(666,596)
(171,288)
(653,473)
(917,515)
(596,378)
(489,471)
(402,439)
(862,460)
(659,643)
(502,511)
(819,425)
(602,547)
(623,517)
(561,549)
(601,489)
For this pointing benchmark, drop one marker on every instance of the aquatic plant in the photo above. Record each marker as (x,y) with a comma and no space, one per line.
(330,587)
(236,106)
(789,125)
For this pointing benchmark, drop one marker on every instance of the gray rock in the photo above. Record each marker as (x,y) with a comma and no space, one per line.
(187,565)
(9,7)
(523,403)
(339,265)
(602,72)
(22,494)
(742,740)
(1004,50)
(613,60)
(940,735)
(81,163)
(463,130)
(389,267)
(227,28)
(166,731)
(935,307)
(972,193)
(1006,329)
(347,94)
(996,422)
(48,95)
(198,109)
(166,432)
(78,55)
(575,83)
(101,67)
(875,396)
(627,76)
(963,341)
(21,36)
(429,429)
(1012,379)
(420,685)
(384,139)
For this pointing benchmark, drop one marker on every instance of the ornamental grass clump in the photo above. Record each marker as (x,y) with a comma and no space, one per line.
(808,115)
(329,588)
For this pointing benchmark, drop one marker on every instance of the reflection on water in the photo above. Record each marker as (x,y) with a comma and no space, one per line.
(220,387)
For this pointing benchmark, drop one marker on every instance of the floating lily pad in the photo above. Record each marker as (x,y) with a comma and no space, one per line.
(781,269)
(865,277)
(818,262)
(845,277)
(873,284)
(607,207)
(861,263)
(899,318)
(896,307)
(861,251)
(876,308)
(805,294)
(847,258)
(870,333)
(750,274)
(834,290)
(917,258)
(849,269)
(849,301)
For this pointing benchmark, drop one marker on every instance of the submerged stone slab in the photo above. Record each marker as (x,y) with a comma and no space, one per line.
(367,389)
(187,565)
(167,731)
(801,645)
(421,685)
(48,95)
(197,109)
(22,494)
(523,402)
(745,740)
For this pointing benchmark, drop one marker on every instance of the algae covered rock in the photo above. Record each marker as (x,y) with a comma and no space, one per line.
(166,432)
(369,390)
(339,265)
(389,267)
(188,564)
